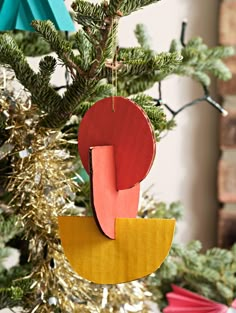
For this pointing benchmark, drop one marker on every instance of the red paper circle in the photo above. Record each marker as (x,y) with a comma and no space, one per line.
(119,122)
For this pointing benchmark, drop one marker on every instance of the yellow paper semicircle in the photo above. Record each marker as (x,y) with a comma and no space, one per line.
(140,247)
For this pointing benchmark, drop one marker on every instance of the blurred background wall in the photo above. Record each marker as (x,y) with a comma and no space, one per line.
(185,167)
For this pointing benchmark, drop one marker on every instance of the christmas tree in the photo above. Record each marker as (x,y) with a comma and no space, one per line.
(40,169)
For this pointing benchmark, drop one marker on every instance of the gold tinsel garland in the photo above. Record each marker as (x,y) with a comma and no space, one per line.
(42,188)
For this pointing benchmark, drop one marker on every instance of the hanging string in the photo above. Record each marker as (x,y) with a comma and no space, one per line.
(113,91)
(114,79)
(114,76)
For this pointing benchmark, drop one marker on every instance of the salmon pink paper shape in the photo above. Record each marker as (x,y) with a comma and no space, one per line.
(109,203)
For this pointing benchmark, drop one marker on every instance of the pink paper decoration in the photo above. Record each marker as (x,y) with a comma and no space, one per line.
(184,301)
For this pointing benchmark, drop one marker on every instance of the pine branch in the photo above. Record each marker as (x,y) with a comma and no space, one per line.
(141,69)
(103,90)
(78,91)
(85,48)
(220,52)
(175,46)
(42,95)
(11,55)
(142,36)
(211,274)
(14,291)
(62,47)
(153,209)
(30,43)
(155,114)
(136,61)
(84,83)
(58,109)
(8,229)
(47,66)
(10,297)
(128,6)
(88,14)
(200,60)
(48,31)
(4,253)
(133,85)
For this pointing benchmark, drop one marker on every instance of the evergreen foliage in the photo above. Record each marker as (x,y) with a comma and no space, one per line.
(13,289)
(138,68)
(155,114)
(8,230)
(33,45)
(199,61)
(97,38)
(194,60)
(92,68)
(210,274)
(30,43)
(10,293)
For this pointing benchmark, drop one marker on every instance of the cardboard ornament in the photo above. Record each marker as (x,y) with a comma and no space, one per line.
(21,13)
(117,148)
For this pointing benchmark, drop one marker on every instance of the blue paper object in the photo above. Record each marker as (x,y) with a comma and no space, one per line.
(18,14)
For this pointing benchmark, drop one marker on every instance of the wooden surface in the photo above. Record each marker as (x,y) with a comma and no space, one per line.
(227,23)
(228,130)
(128,129)
(140,247)
(227,181)
(227,164)
(227,228)
(107,202)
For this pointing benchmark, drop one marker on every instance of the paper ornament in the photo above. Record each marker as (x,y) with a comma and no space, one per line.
(184,301)
(117,147)
(19,14)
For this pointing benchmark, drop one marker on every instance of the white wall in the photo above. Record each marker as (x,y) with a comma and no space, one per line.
(185,165)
